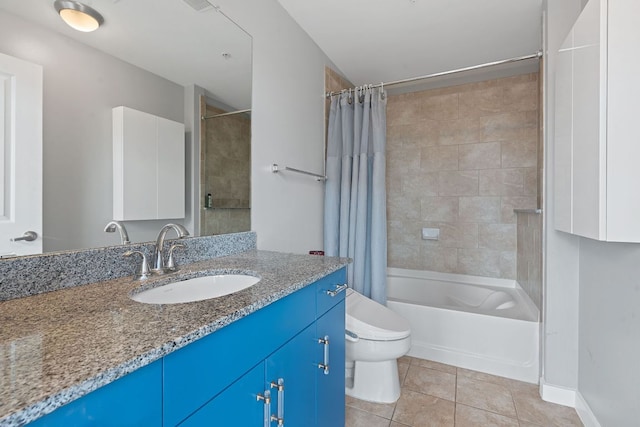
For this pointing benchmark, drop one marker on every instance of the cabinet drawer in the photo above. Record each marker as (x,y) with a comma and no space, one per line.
(324,299)
(196,373)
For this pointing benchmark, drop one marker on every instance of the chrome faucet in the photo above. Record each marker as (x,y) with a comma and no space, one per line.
(111,228)
(158,260)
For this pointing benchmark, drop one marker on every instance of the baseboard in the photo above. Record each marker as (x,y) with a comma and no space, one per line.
(558,395)
(584,412)
(569,397)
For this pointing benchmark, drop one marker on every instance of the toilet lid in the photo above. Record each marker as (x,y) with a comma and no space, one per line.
(371,320)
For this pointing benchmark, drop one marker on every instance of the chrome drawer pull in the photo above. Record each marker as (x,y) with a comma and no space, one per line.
(337,290)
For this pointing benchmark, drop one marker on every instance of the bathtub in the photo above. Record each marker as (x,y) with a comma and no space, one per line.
(485,324)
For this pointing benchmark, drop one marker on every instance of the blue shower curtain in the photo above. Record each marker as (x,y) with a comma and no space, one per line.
(355,218)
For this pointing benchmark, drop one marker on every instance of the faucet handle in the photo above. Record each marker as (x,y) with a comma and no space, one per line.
(171,262)
(144,271)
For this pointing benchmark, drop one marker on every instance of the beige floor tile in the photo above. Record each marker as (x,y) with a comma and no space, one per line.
(403,368)
(384,410)
(528,424)
(534,410)
(406,359)
(467,416)
(512,385)
(421,410)
(483,395)
(395,424)
(432,382)
(434,365)
(357,418)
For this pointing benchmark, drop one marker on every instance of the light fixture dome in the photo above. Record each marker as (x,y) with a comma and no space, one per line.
(78,16)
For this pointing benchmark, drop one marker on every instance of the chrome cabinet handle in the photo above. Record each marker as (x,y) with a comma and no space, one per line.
(325,363)
(337,290)
(279,419)
(28,236)
(266,415)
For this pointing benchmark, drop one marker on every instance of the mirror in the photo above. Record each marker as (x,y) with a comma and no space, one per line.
(165,57)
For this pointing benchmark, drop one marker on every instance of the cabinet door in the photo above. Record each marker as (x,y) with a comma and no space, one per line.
(133,400)
(170,169)
(237,406)
(294,367)
(330,389)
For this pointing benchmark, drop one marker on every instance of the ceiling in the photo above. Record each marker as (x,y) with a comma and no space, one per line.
(373,41)
(167,37)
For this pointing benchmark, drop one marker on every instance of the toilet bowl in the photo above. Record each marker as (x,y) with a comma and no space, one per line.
(375,338)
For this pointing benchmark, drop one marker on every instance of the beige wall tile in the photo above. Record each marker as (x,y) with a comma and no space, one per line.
(479,209)
(521,96)
(459,131)
(499,237)
(457,183)
(501,182)
(520,154)
(437,107)
(404,256)
(454,235)
(480,156)
(401,206)
(447,167)
(482,102)
(440,158)
(439,209)
(481,262)
(440,259)
(530,182)
(504,127)
(508,204)
(422,184)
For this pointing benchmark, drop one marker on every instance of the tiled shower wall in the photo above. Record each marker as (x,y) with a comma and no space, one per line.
(460,159)
(225,172)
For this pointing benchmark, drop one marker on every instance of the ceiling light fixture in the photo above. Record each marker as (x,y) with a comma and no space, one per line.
(78,16)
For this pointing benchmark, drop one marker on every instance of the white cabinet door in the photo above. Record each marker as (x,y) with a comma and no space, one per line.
(20,155)
(148,166)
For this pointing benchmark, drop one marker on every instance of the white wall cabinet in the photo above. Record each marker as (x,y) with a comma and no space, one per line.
(148,166)
(597,139)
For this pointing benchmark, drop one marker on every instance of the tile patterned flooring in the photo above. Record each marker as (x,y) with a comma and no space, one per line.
(438,395)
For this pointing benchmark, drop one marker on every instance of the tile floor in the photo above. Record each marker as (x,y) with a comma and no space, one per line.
(437,395)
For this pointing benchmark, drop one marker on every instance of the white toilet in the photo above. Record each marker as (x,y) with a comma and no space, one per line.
(375,338)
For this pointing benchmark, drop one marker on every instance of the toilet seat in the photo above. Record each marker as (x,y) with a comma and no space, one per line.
(373,321)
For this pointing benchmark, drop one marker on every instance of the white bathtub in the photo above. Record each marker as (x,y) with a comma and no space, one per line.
(485,324)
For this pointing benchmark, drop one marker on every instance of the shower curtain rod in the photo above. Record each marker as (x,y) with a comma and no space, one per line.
(444,73)
(248,110)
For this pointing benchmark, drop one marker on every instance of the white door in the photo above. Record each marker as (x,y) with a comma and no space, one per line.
(20,156)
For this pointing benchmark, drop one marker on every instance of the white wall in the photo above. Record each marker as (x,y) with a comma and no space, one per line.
(609,376)
(81,86)
(287,127)
(560,317)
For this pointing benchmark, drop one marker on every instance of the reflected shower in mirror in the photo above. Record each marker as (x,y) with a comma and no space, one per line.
(225,169)
(154,56)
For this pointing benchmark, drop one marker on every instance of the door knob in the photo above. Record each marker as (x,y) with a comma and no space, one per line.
(28,236)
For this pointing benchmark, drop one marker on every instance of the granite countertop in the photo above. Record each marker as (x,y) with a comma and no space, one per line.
(58,346)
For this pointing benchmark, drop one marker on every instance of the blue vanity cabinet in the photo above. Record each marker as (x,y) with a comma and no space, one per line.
(131,401)
(330,381)
(236,406)
(197,373)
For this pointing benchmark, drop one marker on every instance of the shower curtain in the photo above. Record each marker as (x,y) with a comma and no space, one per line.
(355,218)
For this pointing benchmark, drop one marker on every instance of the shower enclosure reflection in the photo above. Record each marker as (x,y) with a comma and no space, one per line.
(225,170)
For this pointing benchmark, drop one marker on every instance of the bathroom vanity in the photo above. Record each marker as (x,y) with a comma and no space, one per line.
(271,354)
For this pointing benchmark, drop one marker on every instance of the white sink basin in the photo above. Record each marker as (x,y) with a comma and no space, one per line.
(197,289)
